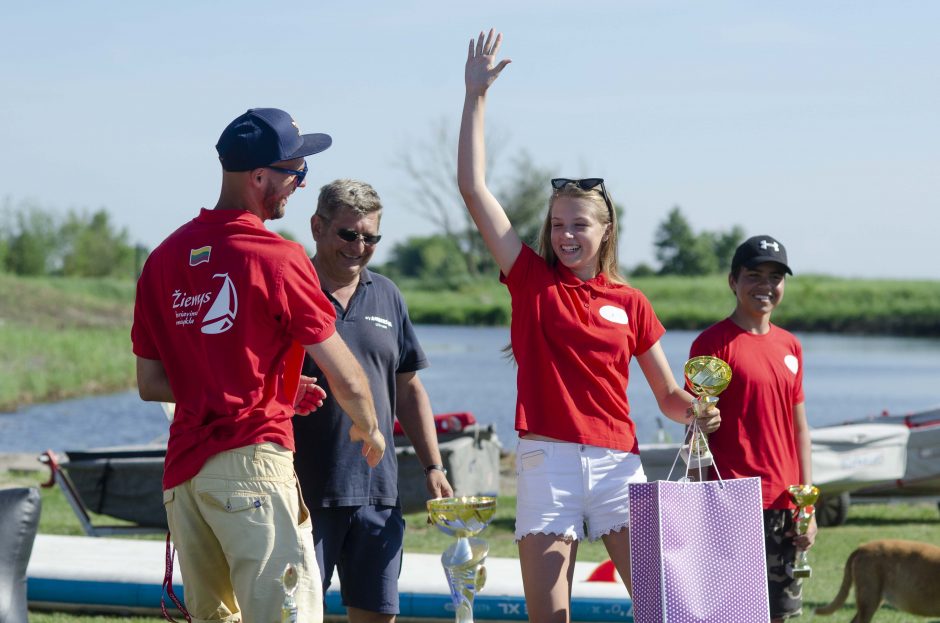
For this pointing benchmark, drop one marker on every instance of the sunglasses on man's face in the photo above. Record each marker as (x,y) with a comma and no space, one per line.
(352,236)
(298,175)
(586,183)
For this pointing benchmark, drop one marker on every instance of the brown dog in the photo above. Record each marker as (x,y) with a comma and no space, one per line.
(906,574)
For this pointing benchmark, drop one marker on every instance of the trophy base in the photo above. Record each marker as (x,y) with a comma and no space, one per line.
(466,574)
(802,572)
(696,459)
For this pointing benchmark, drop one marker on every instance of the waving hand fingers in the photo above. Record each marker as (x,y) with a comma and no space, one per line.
(481,56)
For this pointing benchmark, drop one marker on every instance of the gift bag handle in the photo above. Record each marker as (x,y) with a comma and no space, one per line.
(691,435)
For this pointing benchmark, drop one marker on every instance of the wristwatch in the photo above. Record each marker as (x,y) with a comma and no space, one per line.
(429,468)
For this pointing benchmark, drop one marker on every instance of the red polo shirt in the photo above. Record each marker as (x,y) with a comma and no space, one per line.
(757,436)
(573,341)
(225,305)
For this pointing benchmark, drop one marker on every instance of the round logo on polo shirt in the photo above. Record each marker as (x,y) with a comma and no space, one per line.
(614,314)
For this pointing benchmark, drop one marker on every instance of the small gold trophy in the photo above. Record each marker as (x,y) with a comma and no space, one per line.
(289,581)
(463,518)
(708,377)
(805,497)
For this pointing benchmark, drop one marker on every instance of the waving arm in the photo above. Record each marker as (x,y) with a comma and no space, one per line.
(487,213)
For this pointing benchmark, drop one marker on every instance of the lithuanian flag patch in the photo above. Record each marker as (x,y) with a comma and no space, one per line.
(200,255)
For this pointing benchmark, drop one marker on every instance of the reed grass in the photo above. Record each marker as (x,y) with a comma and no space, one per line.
(71,337)
(62,338)
(40,364)
(812,303)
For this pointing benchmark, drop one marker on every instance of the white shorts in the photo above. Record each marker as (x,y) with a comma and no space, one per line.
(564,486)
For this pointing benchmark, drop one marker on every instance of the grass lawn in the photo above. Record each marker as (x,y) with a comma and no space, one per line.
(918,521)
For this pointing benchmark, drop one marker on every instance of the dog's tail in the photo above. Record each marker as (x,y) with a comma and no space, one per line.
(843,590)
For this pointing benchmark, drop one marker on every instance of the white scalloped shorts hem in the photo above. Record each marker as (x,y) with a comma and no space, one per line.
(569,489)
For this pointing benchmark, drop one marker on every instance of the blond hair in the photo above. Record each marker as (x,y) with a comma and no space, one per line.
(607,262)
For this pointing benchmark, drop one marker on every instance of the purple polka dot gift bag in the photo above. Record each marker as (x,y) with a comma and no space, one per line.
(697,551)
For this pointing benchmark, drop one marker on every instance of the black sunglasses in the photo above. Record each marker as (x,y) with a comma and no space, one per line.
(352,236)
(586,183)
(299,175)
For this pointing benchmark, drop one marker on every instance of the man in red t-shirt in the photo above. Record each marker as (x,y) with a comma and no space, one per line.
(763,431)
(224,312)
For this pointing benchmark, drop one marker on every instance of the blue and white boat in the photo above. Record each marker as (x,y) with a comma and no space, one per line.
(68,573)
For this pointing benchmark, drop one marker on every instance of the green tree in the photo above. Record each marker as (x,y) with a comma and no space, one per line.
(525,197)
(32,241)
(434,260)
(641,270)
(6,229)
(725,244)
(92,246)
(680,251)
(683,252)
(432,167)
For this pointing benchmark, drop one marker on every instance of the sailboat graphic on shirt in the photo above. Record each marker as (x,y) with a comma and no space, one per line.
(221,316)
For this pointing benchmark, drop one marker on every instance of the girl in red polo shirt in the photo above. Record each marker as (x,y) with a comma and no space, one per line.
(575,326)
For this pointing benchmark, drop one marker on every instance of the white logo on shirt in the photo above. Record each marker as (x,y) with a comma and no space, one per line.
(380,322)
(792,363)
(614,314)
(221,316)
(186,306)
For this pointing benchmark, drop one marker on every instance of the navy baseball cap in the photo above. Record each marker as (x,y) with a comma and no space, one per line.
(263,136)
(757,250)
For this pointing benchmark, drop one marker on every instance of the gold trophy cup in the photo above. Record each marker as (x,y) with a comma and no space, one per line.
(708,377)
(289,581)
(805,497)
(464,518)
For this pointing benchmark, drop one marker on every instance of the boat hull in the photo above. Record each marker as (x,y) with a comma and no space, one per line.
(110,575)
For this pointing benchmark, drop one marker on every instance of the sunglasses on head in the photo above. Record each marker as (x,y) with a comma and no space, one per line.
(352,236)
(586,183)
(298,175)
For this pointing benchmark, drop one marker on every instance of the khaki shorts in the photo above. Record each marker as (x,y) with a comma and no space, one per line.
(236,525)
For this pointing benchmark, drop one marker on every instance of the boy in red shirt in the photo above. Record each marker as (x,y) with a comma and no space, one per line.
(764,431)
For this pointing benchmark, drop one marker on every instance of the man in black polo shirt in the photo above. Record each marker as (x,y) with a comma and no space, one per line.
(358,526)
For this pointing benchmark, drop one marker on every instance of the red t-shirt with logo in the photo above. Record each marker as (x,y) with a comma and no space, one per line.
(757,432)
(573,341)
(225,305)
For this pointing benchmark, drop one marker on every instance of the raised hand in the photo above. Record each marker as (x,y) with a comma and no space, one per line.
(480,71)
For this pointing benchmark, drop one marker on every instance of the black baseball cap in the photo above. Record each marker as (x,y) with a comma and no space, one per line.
(757,250)
(263,136)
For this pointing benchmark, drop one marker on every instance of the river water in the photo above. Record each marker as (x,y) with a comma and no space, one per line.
(846,378)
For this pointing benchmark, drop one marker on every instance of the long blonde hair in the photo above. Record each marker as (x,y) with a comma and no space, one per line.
(607,253)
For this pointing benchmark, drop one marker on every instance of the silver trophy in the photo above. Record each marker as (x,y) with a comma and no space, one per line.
(289,581)
(463,518)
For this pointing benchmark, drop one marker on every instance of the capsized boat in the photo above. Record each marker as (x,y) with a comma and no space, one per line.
(126,482)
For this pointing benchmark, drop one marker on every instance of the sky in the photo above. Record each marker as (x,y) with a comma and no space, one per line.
(815,122)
